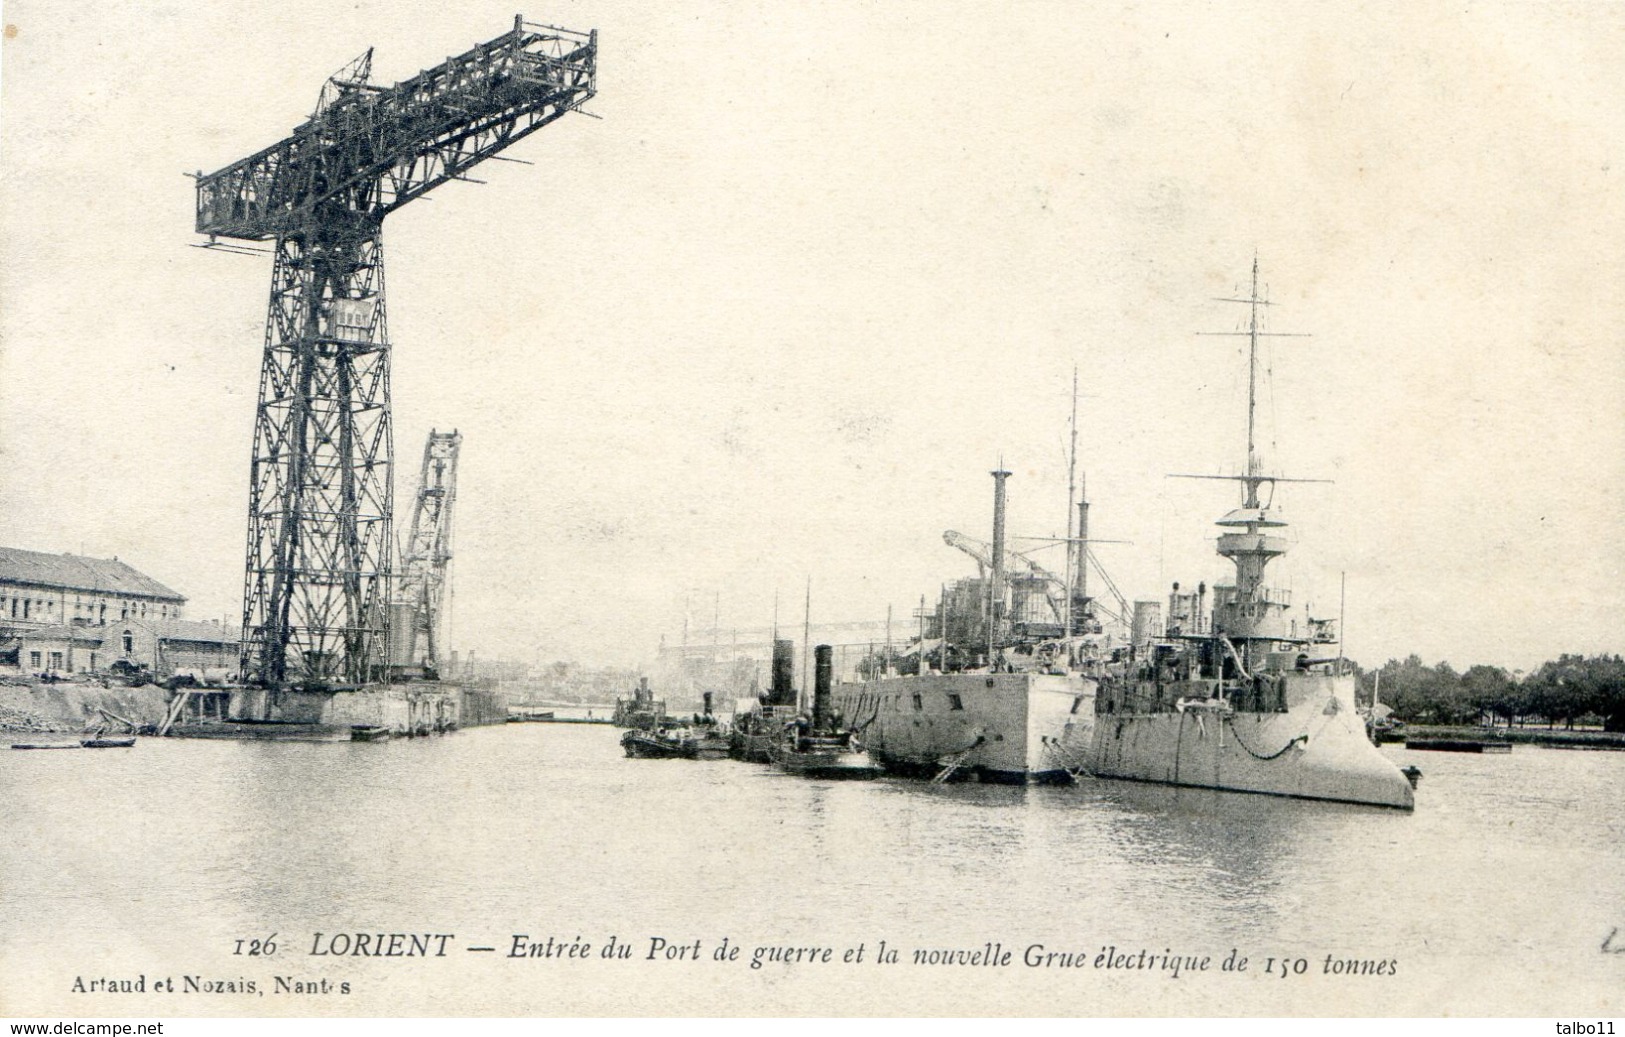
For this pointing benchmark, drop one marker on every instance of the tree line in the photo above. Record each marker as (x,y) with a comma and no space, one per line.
(1569,690)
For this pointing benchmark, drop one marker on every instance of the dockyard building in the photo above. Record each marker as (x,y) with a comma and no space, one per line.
(39,589)
(64,613)
(167,645)
(53,649)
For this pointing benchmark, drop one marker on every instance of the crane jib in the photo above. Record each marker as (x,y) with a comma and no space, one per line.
(373,149)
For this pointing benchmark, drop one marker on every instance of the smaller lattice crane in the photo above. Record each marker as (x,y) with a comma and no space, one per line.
(416,616)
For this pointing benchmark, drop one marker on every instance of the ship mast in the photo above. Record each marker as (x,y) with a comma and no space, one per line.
(1253,302)
(1071,495)
(1255,476)
(1250,610)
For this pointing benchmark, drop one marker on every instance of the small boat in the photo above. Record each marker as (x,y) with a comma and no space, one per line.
(108,743)
(712,741)
(368,733)
(530,718)
(818,746)
(1458,745)
(45,745)
(670,743)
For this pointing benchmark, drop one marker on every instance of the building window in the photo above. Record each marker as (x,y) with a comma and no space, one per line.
(129,643)
(33,660)
(26,604)
(954,701)
(56,660)
(918,703)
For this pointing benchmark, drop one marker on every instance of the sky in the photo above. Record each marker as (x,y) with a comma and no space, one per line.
(816,269)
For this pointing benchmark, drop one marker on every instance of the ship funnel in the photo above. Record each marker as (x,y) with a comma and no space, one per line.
(996,612)
(1080,588)
(823,674)
(784,667)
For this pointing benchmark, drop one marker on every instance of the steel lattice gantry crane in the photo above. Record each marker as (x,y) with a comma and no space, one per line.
(320,498)
(416,613)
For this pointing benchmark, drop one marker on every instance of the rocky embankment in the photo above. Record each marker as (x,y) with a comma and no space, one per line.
(28,705)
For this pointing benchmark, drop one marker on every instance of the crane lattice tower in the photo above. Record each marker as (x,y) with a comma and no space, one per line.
(417,617)
(320,497)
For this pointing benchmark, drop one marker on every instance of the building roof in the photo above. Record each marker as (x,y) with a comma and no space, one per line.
(75,572)
(191,630)
(57,632)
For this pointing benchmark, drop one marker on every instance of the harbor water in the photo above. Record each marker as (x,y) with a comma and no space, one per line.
(1498,893)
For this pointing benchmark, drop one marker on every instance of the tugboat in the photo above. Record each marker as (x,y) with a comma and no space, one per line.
(669,738)
(662,743)
(820,747)
(754,733)
(711,741)
(642,711)
(1240,698)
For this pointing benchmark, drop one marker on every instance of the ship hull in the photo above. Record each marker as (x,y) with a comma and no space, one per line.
(829,764)
(750,747)
(1007,728)
(1316,748)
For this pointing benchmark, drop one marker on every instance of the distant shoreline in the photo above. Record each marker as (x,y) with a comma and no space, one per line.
(1555,737)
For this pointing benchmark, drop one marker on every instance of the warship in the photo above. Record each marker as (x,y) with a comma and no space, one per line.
(997,688)
(1236,695)
(1231,695)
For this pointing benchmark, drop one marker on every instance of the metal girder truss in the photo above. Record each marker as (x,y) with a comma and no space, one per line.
(426,558)
(370,149)
(320,488)
(318,567)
